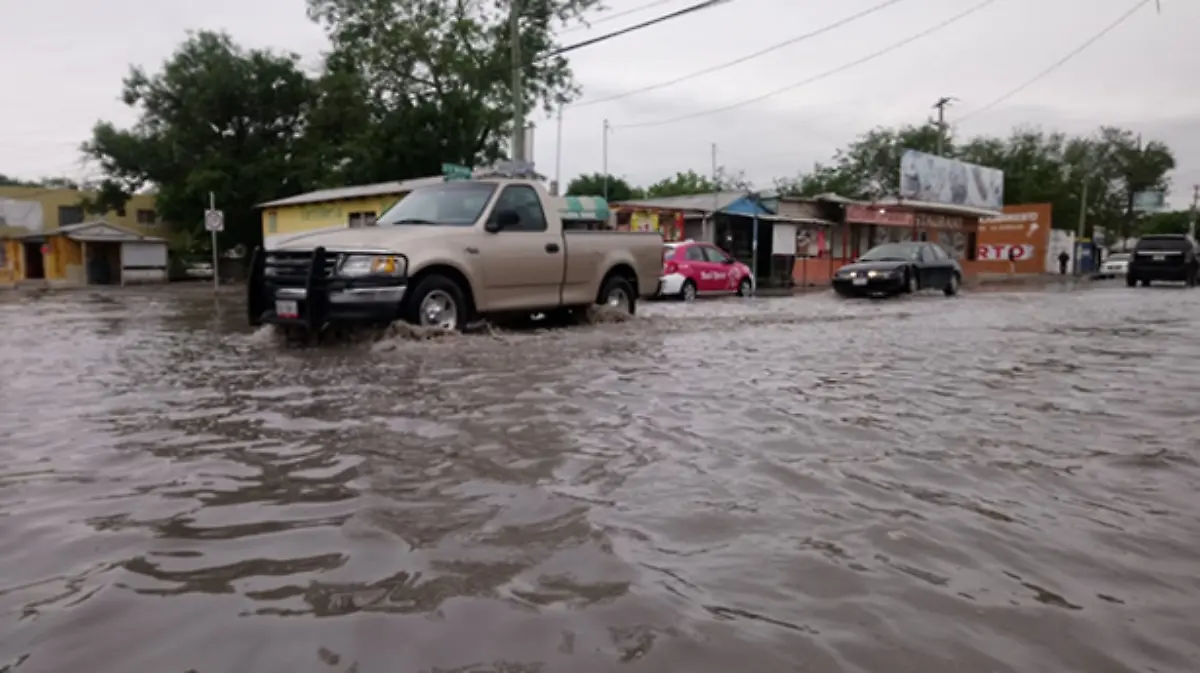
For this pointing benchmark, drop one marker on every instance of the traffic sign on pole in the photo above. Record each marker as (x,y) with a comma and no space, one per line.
(214,220)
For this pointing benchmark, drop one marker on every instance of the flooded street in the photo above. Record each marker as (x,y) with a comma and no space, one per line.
(1005,481)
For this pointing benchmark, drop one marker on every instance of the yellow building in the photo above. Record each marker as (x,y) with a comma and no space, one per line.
(47,236)
(345,207)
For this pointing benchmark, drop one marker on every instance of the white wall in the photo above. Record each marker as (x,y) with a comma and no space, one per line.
(1060,240)
(783,239)
(151,257)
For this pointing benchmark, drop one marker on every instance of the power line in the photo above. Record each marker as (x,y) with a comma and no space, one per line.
(1061,62)
(800,38)
(706,4)
(616,15)
(828,73)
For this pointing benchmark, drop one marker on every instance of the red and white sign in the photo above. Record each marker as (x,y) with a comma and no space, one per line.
(1005,253)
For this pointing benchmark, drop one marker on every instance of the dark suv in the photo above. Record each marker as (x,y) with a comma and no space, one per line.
(1164,257)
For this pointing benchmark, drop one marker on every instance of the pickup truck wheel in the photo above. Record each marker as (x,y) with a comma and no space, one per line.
(618,293)
(437,302)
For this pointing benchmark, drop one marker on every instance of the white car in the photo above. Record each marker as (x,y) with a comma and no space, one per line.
(1115,266)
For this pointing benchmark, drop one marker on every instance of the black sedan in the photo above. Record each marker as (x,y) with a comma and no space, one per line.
(898,268)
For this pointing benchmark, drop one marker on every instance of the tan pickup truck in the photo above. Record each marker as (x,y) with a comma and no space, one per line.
(450,253)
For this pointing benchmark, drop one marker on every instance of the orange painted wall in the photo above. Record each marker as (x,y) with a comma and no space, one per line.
(10,265)
(1021,225)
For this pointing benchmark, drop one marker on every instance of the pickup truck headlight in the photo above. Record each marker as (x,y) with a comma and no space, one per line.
(358,266)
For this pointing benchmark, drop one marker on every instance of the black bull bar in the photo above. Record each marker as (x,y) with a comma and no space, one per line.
(318,281)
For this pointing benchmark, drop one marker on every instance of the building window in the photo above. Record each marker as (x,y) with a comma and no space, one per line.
(272,222)
(68,215)
(364,219)
(147,217)
(3,255)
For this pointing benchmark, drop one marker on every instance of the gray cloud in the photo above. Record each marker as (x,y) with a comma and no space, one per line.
(1140,76)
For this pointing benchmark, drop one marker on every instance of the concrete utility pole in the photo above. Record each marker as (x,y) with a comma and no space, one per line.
(1083,197)
(604,159)
(518,83)
(1195,203)
(940,106)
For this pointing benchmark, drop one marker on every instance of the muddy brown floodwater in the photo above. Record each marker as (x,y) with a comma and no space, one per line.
(1005,481)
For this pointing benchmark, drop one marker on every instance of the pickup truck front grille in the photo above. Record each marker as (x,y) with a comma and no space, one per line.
(290,269)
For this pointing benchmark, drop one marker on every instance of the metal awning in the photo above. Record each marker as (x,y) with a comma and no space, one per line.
(583,208)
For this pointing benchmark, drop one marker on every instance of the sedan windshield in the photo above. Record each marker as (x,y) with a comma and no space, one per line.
(456,204)
(891,252)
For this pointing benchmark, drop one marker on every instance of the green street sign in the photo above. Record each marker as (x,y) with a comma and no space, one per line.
(456,172)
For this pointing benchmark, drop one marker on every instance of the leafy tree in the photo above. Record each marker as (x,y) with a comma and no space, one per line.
(1039,167)
(1170,222)
(593,185)
(217,118)
(432,77)
(868,168)
(48,183)
(689,182)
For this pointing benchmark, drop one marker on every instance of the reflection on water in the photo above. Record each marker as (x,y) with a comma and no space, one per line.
(1000,482)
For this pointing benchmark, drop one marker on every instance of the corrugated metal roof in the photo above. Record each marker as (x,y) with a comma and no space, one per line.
(704,203)
(354,192)
(79,232)
(932,207)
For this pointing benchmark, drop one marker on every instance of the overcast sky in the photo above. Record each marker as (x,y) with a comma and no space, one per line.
(65,60)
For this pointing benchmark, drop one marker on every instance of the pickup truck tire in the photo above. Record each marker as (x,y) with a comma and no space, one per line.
(437,302)
(618,293)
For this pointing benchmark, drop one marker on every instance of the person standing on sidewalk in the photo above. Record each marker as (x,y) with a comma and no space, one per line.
(1063,258)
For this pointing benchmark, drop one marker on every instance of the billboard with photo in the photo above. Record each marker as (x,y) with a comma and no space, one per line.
(927,177)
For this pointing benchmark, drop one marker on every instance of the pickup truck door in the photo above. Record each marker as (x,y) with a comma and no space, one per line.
(522,264)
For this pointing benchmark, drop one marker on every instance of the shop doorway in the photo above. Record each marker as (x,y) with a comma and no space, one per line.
(35,264)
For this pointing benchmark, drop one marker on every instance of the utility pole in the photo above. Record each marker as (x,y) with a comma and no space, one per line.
(518,85)
(558,156)
(1083,197)
(712,236)
(604,159)
(1195,203)
(940,106)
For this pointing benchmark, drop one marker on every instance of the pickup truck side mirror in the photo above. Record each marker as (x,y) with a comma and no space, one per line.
(503,219)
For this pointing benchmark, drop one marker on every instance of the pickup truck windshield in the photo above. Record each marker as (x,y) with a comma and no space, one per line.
(454,204)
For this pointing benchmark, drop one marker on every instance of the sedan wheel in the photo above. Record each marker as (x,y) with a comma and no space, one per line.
(744,288)
(688,293)
(912,286)
(952,288)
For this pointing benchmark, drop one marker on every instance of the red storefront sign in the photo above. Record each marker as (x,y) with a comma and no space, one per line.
(877,215)
(1005,253)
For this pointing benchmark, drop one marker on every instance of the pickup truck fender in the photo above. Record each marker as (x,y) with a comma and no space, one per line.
(426,265)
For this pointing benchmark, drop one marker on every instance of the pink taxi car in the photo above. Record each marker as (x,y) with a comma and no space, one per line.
(692,269)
